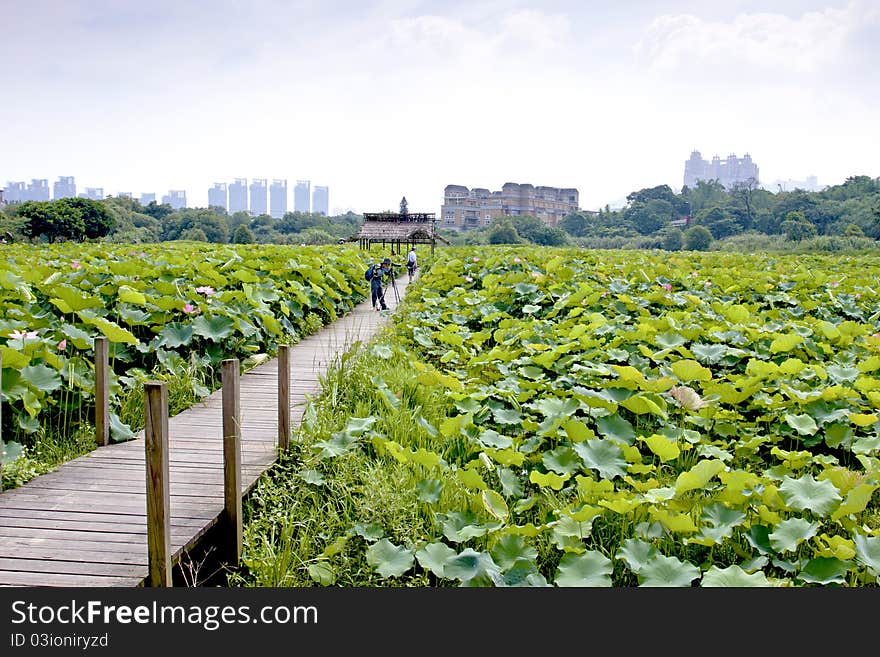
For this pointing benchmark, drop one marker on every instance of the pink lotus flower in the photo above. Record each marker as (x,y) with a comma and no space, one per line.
(858,295)
(833,283)
(76,264)
(604,294)
(516,260)
(476,259)
(190,309)
(667,287)
(469,279)
(707,284)
(207,290)
(23,335)
(62,345)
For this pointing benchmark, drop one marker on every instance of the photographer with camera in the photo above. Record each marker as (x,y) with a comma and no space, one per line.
(375,274)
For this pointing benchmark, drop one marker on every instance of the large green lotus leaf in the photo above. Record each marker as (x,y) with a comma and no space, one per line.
(823,412)
(214,328)
(690,370)
(577,431)
(825,571)
(803,423)
(473,568)
(635,553)
(806,493)
(562,460)
(433,557)
(784,343)
(322,572)
(511,548)
(175,334)
(733,577)
(553,407)
(112,331)
(429,490)
(339,443)
(856,501)
(119,431)
(370,532)
(460,526)
(491,438)
(698,476)
(665,449)
(40,377)
(507,416)
(523,573)
(758,537)
(642,404)
(511,485)
(568,534)
(133,316)
(617,427)
(602,455)
(495,504)
(790,533)
(10,451)
(548,479)
(13,358)
(669,340)
(666,571)
(74,298)
(842,374)
(13,282)
(868,552)
(127,294)
(591,569)
(388,559)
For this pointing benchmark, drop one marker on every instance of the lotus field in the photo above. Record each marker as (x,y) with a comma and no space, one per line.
(623,418)
(163,307)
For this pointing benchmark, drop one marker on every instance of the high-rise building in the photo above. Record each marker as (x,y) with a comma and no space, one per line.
(302,196)
(123,195)
(473,208)
(728,172)
(321,200)
(238,196)
(64,187)
(93,193)
(38,190)
(217,197)
(259,197)
(147,198)
(176,198)
(278,198)
(16,192)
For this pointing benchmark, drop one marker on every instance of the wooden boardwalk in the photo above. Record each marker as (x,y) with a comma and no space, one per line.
(85,524)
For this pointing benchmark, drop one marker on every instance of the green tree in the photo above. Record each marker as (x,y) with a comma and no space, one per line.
(243,235)
(672,238)
(403,206)
(853,230)
(697,238)
(576,224)
(503,233)
(797,227)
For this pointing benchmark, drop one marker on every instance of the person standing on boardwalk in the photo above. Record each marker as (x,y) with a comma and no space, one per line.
(376,293)
(411,262)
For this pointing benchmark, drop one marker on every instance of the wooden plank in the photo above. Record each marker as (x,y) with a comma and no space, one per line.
(102,391)
(8,578)
(56,566)
(283,398)
(157,489)
(232,460)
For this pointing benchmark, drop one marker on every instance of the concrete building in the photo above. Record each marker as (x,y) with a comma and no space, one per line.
(124,195)
(321,200)
(302,196)
(16,192)
(38,190)
(465,208)
(238,196)
(93,193)
(217,196)
(64,187)
(147,198)
(176,198)
(259,197)
(727,172)
(811,184)
(278,198)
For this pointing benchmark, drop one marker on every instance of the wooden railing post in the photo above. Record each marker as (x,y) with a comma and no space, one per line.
(283,397)
(158,495)
(1,415)
(102,392)
(232,459)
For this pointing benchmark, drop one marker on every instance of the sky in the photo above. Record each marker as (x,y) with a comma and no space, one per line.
(383,99)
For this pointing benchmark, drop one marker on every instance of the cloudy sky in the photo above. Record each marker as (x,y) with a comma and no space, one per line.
(381,99)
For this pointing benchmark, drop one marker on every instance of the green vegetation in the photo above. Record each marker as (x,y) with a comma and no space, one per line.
(593,418)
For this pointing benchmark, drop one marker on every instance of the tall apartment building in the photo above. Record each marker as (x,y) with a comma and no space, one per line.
(176,198)
(278,198)
(16,192)
(147,198)
(321,200)
(123,195)
(302,196)
(238,196)
(93,193)
(38,189)
(217,197)
(728,172)
(64,187)
(259,197)
(465,208)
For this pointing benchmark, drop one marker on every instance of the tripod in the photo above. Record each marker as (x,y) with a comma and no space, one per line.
(393,284)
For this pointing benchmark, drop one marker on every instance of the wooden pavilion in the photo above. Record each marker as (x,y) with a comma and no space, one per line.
(398,230)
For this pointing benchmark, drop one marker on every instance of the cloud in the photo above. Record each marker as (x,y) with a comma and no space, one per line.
(763,47)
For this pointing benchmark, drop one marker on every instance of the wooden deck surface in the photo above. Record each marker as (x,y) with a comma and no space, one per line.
(84,524)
